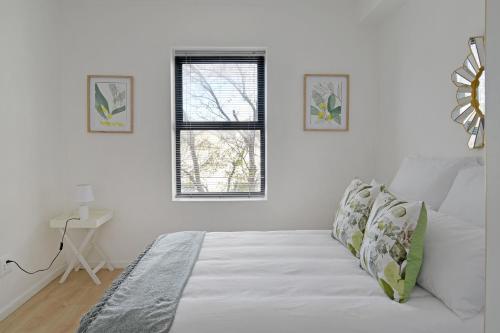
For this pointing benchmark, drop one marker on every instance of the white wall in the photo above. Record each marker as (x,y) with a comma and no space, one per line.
(43,132)
(30,141)
(376,11)
(493,167)
(420,46)
(132,173)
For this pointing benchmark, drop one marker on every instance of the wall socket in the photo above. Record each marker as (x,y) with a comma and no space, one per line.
(4,267)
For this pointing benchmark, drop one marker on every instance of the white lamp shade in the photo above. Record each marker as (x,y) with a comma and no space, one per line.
(84,193)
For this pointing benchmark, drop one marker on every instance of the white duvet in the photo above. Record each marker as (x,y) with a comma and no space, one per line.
(298,281)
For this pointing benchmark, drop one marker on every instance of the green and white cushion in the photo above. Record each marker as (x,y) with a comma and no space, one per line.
(352,214)
(392,248)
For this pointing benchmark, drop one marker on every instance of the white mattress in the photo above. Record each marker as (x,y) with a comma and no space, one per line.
(298,281)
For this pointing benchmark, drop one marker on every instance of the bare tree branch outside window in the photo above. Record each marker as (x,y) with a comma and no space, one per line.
(220,160)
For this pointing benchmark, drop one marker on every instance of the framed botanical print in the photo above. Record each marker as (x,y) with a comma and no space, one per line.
(110,104)
(326,102)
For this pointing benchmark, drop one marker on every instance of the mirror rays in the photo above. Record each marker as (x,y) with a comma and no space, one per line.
(469,79)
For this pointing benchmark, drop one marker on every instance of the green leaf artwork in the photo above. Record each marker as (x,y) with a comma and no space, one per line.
(326,103)
(118,110)
(337,119)
(101,104)
(314,110)
(110,103)
(317,98)
(331,102)
(335,111)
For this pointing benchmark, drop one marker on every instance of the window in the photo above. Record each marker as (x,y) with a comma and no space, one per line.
(220,124)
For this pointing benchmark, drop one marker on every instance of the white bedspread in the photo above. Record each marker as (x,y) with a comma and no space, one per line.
(298,281)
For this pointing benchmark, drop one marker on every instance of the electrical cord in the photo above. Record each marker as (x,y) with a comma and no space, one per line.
(61,245)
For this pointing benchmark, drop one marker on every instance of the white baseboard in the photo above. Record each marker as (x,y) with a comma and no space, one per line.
(116,264)
(21,299)
(120,264)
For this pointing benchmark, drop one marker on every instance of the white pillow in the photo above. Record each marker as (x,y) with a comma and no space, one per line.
(453,269)
(427,179)
(466,199)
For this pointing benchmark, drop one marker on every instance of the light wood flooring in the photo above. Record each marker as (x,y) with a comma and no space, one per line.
(57,308)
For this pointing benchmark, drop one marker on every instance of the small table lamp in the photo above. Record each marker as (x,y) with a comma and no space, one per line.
(84,195)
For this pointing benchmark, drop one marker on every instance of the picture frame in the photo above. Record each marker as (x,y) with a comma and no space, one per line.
(110,104)
(326,102)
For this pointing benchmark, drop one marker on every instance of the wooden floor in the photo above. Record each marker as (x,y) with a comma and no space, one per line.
(58,307)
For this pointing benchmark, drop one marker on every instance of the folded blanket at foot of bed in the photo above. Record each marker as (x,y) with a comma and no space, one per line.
(145,297)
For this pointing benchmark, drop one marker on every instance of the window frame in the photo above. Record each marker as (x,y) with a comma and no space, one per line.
(257,56)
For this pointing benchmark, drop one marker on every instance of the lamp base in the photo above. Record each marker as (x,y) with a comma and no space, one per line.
(83,211)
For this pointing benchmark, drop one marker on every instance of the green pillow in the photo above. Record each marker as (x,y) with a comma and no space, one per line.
(393,245)
(352,214)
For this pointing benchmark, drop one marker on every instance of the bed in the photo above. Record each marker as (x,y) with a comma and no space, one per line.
(296,281)
(306,281)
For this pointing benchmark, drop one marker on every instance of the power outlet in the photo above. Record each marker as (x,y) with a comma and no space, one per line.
(4,267)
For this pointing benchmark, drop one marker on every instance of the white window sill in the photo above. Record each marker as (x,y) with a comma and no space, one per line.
(198,199)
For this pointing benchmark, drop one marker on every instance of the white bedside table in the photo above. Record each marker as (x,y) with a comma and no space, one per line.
(97,217)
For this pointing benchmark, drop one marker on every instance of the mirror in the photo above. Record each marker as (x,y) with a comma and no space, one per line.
(470,81)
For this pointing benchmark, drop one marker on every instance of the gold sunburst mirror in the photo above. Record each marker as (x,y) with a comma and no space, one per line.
(470,81)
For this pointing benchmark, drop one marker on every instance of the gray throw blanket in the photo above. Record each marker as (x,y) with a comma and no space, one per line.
(145,297)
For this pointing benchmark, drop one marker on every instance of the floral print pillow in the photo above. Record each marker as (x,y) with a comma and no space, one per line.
(352,214)
(392,248)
